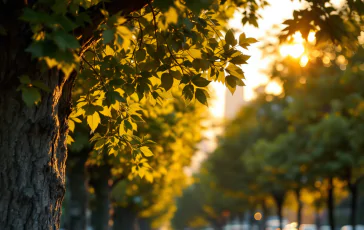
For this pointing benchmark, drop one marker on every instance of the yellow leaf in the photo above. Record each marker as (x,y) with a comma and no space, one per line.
(149,177)
(141,172)
(71,125)
(171,16)
(195,53)
(109,50)
(93,120)
(106,112)
(146,151)
(121,128)
(69,140)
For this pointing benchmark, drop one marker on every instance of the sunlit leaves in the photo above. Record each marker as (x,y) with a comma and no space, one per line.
(146,151)
(167,81)
(235,71)
(200,81)
(93,120)
(230,39)
(240,59)
(188,92)
(245,42)
(201,95)
(140,55)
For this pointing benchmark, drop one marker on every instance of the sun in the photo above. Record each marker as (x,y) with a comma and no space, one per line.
(296,49)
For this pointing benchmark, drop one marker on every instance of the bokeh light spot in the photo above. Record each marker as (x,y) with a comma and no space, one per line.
(257,216)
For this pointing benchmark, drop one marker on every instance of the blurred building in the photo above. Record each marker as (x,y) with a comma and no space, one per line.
(233,103)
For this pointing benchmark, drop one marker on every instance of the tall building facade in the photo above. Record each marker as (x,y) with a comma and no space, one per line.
(233,103)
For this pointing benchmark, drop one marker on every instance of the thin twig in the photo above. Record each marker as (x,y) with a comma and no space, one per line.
(155,22)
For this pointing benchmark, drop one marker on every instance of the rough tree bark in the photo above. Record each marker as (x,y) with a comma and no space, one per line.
(33,140)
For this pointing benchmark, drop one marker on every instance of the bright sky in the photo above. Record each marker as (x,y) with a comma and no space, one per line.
(273,16)
(255,71)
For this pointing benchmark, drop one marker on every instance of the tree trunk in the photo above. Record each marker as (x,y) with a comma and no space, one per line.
(300,206)
(144,224)
(101,203)
(251,219)
(124,218)
(317,217)
(330,204)
(32,140)
(264,215)
(279,199)
(77,189)
(353,206)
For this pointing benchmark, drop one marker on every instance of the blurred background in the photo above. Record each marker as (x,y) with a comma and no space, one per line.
(286,151)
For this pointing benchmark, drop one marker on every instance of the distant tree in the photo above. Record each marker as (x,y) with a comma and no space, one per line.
(125,49)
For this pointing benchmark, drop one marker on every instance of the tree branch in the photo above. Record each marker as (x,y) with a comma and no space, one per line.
(86,35)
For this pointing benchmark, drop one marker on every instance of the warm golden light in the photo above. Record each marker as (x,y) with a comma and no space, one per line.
(303,61)
(297,37)
(258,216)
(326,60)
(294,50)
(274,88)
(311,37)
(303,80)
(341,60)
(284,50)
(297,50)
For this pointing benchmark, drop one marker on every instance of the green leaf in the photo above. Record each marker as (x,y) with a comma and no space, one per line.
(90,109)
(41,48)
(108,36)
(24,79)
(201,96)
(245,42)
(128,125)
(30,96)
(229,38)
(65,41)
(185,79)
(176,74)
(100,144)
(121,128)
(140,55)
(251,40)
(241,59)
(199,63)
(230,82)
(41,85)
(200,81)
(167,81)
(235,71)
(188,92)
(93,120)
(146,151)
(242,38)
